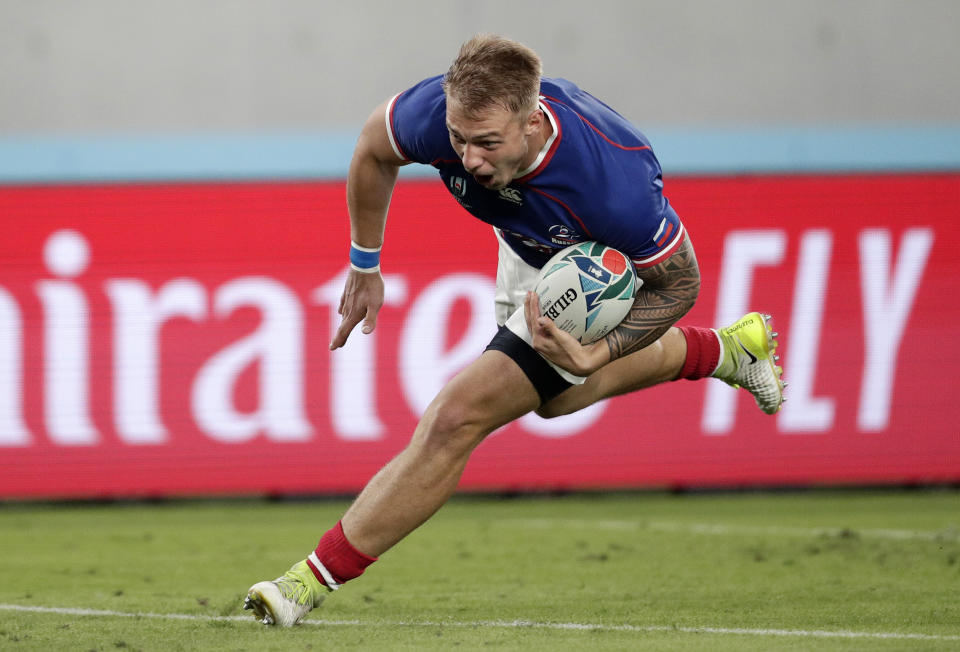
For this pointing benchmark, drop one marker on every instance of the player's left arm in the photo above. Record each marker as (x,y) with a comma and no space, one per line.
(668,292)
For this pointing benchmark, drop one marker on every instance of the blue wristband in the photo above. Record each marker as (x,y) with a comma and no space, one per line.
(364,259)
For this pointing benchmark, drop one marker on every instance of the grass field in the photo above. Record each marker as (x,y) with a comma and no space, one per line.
(844,570)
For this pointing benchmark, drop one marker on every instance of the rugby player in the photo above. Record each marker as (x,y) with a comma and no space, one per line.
(547,165)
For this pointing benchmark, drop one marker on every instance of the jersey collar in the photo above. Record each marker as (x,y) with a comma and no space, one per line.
(549,147)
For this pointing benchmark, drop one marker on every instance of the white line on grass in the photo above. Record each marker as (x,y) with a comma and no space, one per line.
(501,624)
(714,528)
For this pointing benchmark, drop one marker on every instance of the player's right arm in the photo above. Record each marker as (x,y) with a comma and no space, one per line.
(370,183)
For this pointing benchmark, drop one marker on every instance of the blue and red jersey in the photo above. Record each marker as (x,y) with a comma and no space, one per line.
(595,179)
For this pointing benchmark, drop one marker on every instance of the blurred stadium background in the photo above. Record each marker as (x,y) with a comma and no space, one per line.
(174,235)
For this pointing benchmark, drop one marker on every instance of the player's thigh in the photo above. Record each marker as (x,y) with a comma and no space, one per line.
(491,392)
(615,378)
(649,366)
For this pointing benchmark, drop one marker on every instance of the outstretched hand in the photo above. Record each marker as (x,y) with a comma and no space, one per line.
(558,346)
(361,301)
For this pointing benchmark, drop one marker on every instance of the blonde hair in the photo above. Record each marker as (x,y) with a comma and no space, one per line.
(490,71)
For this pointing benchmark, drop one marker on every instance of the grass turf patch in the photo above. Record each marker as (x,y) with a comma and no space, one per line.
(657,571)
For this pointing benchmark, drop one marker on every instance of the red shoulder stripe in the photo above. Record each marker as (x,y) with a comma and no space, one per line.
(600,133)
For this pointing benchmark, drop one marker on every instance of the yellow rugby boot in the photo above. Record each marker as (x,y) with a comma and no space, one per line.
(287,599)
(748,360)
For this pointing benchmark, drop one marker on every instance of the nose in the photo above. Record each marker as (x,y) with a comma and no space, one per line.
(472,158)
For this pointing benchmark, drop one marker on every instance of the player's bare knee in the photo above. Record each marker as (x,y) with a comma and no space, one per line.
(449,428)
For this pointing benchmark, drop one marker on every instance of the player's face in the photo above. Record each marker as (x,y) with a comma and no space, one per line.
(495,146)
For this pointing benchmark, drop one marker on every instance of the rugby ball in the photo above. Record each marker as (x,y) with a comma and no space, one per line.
(587,290)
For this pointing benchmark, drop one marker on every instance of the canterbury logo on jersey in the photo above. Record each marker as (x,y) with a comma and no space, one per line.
(511,195)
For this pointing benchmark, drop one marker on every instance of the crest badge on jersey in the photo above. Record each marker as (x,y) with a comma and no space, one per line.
(458,186)
(563,235)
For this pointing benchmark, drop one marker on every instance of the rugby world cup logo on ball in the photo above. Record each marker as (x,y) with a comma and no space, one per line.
(587,290)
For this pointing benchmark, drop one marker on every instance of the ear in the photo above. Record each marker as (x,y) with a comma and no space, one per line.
(534,122)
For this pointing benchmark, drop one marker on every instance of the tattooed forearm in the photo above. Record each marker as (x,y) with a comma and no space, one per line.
(669,291)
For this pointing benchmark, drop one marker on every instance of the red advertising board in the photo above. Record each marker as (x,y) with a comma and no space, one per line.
(173,339)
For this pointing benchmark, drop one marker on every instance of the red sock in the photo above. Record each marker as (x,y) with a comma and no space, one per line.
(335,561)
(703,353)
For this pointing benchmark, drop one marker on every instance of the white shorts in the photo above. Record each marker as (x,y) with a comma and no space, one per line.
(514,279)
